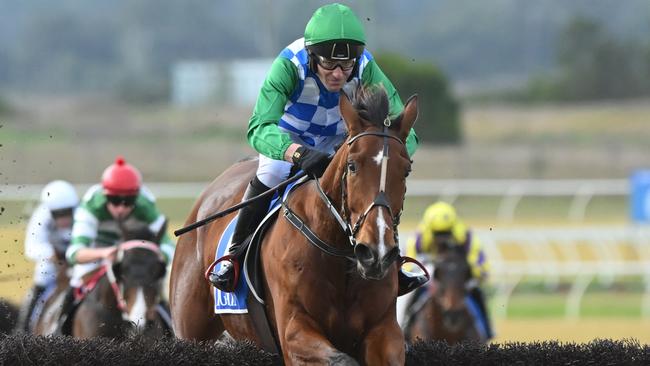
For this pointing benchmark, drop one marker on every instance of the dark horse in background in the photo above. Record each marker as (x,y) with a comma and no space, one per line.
(124,296)
(439,311)
(323,308)
(8,316)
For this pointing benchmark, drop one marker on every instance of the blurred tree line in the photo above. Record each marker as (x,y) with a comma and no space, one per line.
(593,64)
(129,46)
(438,117)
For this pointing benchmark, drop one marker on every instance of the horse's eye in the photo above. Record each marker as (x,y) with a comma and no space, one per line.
(352,167)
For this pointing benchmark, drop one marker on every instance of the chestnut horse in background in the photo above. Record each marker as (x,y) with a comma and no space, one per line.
(323,308)
(441,313)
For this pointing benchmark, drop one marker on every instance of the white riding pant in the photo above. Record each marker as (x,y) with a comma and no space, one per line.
(272,172)
(41,253)
(44,272)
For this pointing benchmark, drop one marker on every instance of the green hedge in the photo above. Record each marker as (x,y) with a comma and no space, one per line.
(438,120)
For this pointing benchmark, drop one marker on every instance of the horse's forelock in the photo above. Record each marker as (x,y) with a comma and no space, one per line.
(371,102)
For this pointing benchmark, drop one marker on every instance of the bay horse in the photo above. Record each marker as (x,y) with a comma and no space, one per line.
(123,296)
(439,310)
(323,308)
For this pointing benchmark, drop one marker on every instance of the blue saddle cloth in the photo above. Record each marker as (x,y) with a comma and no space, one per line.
(230,302)
(480,322)
(235,302)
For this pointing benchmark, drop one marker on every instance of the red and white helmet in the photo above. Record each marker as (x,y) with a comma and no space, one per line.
(121,179)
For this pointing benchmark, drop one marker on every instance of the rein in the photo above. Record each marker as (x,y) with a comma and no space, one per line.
(236,207)
(343,220)
(107,269)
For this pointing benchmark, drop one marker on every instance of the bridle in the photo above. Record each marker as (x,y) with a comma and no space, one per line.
(343,218)
(116,286)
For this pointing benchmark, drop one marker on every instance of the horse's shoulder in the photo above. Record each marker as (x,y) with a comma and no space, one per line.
(301,191)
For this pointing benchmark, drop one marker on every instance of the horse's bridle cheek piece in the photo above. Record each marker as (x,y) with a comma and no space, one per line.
(343,218)
(381,199)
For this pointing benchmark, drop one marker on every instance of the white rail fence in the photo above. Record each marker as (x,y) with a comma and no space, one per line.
(511,191)
(577,255)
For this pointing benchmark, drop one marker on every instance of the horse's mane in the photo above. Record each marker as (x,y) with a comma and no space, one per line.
(371,102)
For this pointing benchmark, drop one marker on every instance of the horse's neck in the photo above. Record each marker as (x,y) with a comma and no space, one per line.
(314,211)
(331,182)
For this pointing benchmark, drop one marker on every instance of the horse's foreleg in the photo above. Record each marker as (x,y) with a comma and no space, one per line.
(304,344)
(191,303)
(384,345)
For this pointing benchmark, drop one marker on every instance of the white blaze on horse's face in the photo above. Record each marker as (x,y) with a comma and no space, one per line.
(382,227)
(379,156)
(138,311)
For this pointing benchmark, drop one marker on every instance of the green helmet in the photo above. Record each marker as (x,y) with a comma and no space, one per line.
(335,32)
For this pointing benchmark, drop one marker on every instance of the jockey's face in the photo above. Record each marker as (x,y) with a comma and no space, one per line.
(119,211)
(63,217)
(444,240)
(63,222)
(333,79)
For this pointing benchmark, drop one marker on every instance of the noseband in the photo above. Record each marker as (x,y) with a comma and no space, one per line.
(344,218)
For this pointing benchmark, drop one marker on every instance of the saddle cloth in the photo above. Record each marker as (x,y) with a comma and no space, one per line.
(236,302)
(230,302)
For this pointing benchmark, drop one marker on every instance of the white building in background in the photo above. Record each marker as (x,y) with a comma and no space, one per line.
(234,82)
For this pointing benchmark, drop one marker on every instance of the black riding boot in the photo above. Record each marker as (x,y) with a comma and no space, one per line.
(249,217)
(477,295)
(27,308)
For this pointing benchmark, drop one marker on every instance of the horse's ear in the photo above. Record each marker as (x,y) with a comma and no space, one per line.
(409,116)
(350,115)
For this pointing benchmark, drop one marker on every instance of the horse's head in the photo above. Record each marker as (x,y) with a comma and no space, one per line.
(451,275)
(370,172)
(139,264)
(139,260)
(139,269)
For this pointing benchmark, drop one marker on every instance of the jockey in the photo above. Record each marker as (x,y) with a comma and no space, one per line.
(297,121)
(46,239)
(441,223)
(120,201)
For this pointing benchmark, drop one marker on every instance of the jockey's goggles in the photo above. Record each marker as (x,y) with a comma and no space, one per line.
(127,201)
(329,64)
(62,212)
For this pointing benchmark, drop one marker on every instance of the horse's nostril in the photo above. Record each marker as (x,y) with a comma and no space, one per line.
(391,256)
(365,254)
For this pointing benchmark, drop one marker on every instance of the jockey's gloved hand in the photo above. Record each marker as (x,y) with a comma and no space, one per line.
(312,162)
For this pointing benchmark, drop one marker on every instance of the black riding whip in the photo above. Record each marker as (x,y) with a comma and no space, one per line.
(236,207)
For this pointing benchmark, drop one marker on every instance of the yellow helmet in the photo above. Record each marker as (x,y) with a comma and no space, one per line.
(440,216)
